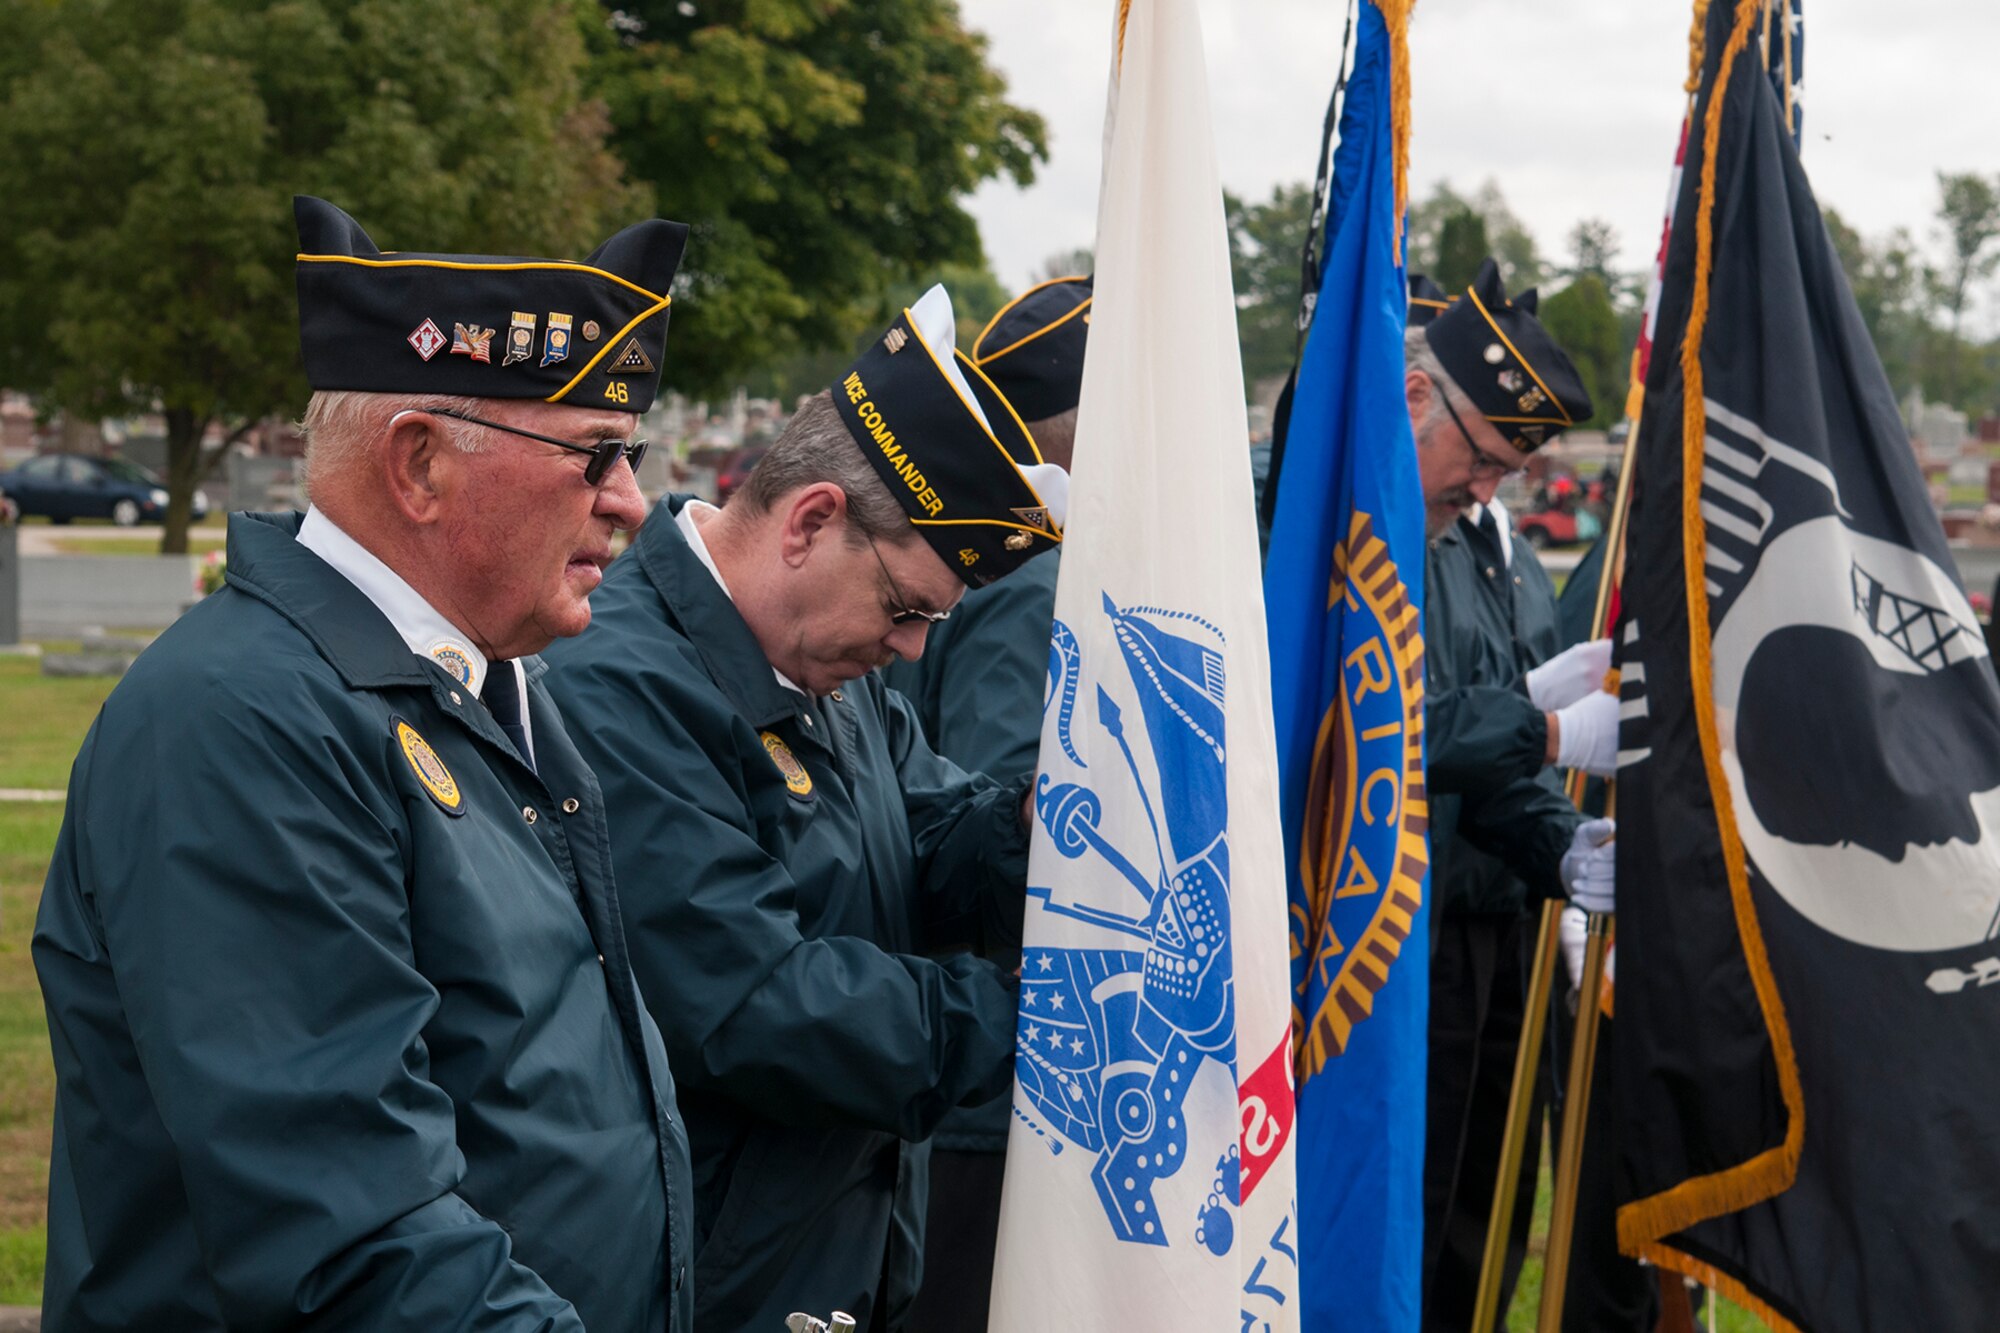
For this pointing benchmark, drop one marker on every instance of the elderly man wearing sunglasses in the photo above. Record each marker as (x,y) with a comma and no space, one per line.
(345,1031)
(794,860)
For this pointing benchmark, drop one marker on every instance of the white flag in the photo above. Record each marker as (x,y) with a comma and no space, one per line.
(1149,1172)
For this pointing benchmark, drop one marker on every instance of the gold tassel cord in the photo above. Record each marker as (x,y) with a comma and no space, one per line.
(1396,19)
(1770,1172)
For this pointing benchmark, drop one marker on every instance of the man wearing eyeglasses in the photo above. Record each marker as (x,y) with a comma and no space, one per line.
(1487,385)
(790,852)
(344,1027)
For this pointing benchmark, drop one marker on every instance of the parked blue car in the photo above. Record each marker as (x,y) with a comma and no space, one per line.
(61,487)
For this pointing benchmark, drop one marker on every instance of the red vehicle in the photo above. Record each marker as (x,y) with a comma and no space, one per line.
(1558,516)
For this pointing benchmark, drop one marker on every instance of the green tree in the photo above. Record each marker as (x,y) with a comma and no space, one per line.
(1508,239)
(1266,242)
(1593,249)
(1583,319)
(821,149)
(1888,282)
(1461,248)
(149,150)
(1968,219)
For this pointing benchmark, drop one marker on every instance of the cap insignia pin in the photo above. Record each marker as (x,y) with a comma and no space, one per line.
(1533,435)
(1532,399)
(428,339)
(1018,541)
(520,338)
(555,343)
(1510,380)
(632,360)
(454,658)
(1035,517)
(590,331)
(1495,354)
(473,341)
(894,340)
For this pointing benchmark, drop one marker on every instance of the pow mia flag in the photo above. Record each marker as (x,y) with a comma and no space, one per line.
(1809,793)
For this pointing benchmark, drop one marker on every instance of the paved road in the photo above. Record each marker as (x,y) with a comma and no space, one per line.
(41,539)
(20,1319)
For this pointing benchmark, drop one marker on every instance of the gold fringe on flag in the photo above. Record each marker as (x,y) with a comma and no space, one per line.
(1396,18)
(1642,1225)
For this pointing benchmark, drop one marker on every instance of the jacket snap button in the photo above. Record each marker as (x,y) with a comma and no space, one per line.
(1489,571)
(808,721)
(571,806)
(836,696)
(600,960)
(454,697)
(528,813)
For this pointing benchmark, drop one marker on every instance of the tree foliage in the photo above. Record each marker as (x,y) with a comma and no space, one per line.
(1583,319)
(820,149)
(149,150)
(1266,243)
(1507,238)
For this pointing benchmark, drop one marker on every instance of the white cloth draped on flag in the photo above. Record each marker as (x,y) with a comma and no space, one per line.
(1150,1170)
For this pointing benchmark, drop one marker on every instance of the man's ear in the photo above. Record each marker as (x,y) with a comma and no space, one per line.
(814,515)
(1417,391)
(421,465)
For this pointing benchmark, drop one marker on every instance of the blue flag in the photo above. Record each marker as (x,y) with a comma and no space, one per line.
(1344,587)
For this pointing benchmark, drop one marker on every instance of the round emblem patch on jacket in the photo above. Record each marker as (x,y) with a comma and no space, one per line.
(797,781)
(430,769)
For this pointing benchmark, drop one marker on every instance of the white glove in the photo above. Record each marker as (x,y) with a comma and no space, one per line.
(1573,932)
(1587,735)
(1569,675)
(1590,866)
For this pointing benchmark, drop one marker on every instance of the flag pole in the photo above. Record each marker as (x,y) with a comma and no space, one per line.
(1541,978)
(1514,1139)
(1569,1157)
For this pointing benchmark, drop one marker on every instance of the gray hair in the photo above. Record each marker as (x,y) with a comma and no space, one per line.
(1418,356)
(816,447)
(339,422)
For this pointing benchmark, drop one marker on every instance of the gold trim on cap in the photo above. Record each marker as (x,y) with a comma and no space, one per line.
(1081,306)
(563,264)
(1006,402)
(605,350)
(1526,365)
(972,411)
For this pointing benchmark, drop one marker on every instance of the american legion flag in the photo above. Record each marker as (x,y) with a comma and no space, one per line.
(1809,783)
(1149,1173)
(1344,585)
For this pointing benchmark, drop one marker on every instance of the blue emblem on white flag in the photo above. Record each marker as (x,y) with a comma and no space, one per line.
(1111,1039)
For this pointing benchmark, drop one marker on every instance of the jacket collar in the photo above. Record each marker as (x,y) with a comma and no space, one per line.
(267,562)
(729,652)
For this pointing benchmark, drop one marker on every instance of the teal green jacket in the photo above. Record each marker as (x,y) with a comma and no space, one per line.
(345,1035)
(784,863)
(1500,823)
(978,692)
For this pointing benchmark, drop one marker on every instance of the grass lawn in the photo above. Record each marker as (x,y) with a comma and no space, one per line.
(42,721)
(41,725)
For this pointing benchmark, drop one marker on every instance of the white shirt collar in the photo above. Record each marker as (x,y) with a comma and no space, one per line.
(685,522)
(420,624)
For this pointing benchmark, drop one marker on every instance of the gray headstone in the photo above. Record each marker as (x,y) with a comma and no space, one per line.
(86,664)
(10,584)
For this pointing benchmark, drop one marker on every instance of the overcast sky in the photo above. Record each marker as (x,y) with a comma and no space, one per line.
(1571,105)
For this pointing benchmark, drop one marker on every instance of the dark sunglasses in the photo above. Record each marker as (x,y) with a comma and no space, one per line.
(602,454)
(1482,462)
(900,610)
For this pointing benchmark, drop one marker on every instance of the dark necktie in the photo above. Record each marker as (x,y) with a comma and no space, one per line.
(503,700)
(1491,527)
